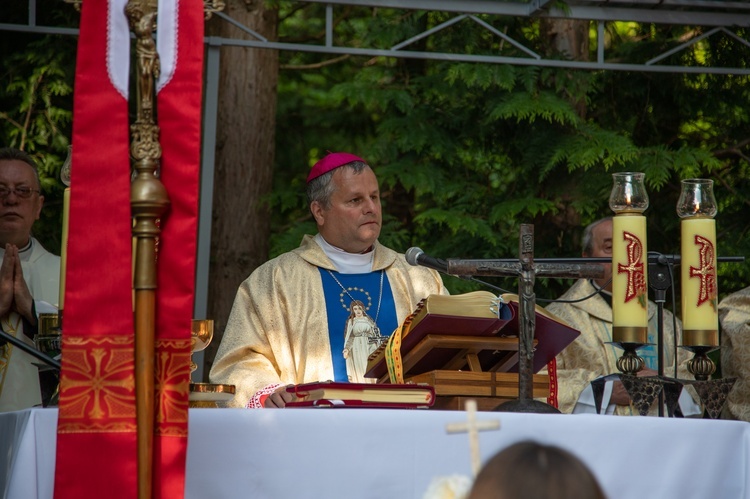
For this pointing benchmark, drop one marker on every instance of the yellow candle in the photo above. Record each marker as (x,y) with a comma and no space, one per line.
(700,319)
(64,246)
(629,286)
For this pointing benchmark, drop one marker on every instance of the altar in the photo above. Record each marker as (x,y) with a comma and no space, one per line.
(376,453)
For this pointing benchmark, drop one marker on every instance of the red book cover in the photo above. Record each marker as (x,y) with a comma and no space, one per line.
(552,336)
(335,394)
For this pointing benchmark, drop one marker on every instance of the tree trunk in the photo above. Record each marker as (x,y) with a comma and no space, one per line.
(569,38)
(245,139)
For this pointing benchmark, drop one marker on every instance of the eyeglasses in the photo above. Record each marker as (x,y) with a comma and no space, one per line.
(22,192)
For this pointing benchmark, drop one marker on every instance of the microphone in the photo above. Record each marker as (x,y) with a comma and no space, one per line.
(415,256)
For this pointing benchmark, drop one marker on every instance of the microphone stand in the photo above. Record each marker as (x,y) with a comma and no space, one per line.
(660,279)
(9,338)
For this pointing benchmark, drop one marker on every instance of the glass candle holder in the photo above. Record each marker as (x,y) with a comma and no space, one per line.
(697,209)
(629,200)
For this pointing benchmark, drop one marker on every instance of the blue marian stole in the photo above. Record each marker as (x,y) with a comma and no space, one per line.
(363,288)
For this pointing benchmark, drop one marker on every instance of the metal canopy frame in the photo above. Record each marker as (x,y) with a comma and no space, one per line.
(722,16)
(690,12)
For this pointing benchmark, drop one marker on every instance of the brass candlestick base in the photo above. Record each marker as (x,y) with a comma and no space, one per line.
(701,366)
(630,362)
(643,390)
(712,393)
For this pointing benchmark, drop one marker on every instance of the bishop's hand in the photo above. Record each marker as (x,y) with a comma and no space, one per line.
(279,398)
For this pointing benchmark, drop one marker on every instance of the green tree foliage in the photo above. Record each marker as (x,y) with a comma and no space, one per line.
(467,152)
(36,107)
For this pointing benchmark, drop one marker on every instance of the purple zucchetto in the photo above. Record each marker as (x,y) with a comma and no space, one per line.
(331,162)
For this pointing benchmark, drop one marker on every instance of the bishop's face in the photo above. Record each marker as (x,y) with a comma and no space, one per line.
(352,220)
(17,213)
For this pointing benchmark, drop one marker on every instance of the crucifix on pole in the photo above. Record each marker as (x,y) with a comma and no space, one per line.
(526,270)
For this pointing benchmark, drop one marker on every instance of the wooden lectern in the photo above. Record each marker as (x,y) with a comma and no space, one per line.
(473,357)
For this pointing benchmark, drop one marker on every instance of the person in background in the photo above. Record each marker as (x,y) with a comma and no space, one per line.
(286,324)
(29,277)
(734,318)
(590,356)
(531,470)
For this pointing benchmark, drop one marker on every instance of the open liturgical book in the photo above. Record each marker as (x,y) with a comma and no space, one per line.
(336,394)
(444,328)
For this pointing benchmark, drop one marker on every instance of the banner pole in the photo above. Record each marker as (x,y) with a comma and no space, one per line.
(149,202)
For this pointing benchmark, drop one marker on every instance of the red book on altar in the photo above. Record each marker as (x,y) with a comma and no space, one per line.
(335,394)
(444,328)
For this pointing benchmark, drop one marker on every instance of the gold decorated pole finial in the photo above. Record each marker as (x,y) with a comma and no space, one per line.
(142,18)
(210,7)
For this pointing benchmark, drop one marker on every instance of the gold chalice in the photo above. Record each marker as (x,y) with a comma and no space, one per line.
(49,338)
(205,394)
(201,335)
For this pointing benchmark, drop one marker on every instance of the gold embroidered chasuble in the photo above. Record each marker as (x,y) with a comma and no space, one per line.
(277,331)
(734,317)
(589,357)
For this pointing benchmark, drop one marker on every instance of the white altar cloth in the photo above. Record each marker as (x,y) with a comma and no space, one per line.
(370,453)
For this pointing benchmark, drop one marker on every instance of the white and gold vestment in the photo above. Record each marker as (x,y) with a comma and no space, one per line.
(734,317)
(277,331)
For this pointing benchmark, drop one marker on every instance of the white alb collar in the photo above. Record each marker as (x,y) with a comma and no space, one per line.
(347,263)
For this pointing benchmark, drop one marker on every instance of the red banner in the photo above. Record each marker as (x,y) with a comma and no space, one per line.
(97,446)
(180,46)
(96,442)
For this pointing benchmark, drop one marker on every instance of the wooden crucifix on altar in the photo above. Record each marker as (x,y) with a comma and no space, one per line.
(526,270)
